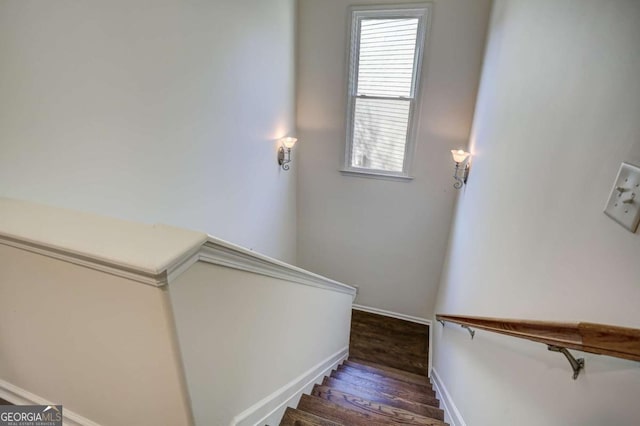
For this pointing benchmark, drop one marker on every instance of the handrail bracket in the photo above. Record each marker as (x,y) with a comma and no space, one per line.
(576,364)
(471,332)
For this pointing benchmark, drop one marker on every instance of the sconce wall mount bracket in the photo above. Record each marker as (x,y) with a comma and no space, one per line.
(284,157)
(461,158)
(284,152)
(461,177)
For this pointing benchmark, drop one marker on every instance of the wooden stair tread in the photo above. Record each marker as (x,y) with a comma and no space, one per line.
(334,412)
(390,325)
(386,388)
(415,363)
(414,387)
(384,398)
(376,410)
(407,341)
(400,339)
(413,358)
(384,322)
(391,372)
(295,417)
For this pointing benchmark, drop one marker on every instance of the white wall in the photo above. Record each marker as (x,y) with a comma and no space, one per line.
(163,321)
(387,237)
(101,345)
(557,113)
(245,337)
(156,111)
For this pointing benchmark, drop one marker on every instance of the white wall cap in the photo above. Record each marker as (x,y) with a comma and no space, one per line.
(146,248)
(151,254)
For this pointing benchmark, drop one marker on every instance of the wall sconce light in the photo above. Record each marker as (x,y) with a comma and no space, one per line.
(461,174)
(284,157)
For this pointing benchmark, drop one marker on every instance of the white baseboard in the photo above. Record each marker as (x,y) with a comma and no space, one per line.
(430,360)
(452,414)
(19,396)
(391,314)
(288,394)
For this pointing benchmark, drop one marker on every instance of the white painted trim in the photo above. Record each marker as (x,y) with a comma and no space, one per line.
(214,251)
(392,314)
(287,394)
(452,414)
(430,360)
(373,174)
(19,396)
(423,12)
(222,253)
(156,280)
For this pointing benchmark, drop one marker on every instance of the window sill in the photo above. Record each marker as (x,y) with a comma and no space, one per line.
(375,175)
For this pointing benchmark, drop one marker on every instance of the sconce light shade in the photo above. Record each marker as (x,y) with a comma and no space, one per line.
(459,156)
(289,142)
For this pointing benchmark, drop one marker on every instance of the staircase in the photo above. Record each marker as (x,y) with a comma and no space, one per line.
(362,393)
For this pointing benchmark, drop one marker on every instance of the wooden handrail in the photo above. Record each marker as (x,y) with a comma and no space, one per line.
(601,339)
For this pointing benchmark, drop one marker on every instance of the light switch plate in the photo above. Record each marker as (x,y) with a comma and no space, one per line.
(624,203)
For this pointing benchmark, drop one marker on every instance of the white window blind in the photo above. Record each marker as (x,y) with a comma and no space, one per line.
(386,57)
(384,69)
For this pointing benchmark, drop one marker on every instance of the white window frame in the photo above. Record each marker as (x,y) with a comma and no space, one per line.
(422,11)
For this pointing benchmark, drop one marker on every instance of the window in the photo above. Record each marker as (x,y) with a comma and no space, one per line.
(384,71)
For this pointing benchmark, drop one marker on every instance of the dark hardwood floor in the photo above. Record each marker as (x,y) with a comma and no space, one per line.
(384,381)
(388,341)
(367,395)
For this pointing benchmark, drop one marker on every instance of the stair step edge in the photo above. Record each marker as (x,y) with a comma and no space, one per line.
(395,372)
(425,388)
(380,411)
(296,417)
(323,408)
(385,398)
(404,393)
